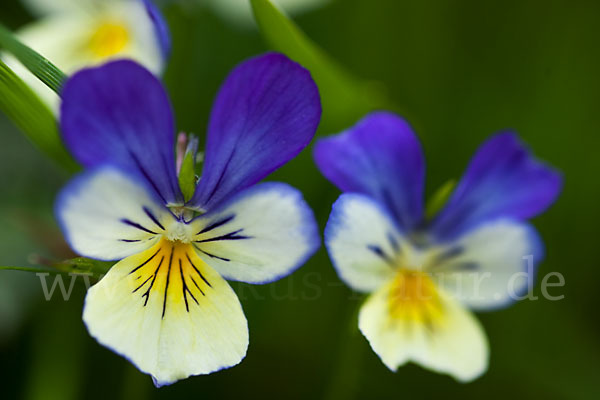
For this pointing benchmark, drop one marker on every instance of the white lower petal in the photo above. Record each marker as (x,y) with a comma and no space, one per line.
(362,241)
(446,339)
(106,215)
(491,266)
(263,235)
(169,313)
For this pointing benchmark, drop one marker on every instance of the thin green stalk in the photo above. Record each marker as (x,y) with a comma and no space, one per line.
(345,380)
(28,269)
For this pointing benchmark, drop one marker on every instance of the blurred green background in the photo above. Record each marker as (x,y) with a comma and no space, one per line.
(459,71)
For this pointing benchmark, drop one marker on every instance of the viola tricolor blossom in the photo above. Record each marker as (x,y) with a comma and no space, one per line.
(424,276)
(74,34)
(166,305)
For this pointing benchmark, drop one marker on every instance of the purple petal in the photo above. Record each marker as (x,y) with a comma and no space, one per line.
(502,180)
(119,113)
(266,112)
(382,158)
(160,27)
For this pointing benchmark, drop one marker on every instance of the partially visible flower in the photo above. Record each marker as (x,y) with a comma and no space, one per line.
(240,11)
(74,34)
(166,306)
(424,276)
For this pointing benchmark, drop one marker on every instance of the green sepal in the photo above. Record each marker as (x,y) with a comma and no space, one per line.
(187,173)
(439,199)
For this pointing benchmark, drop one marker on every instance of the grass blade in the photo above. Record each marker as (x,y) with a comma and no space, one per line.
(25,109)
(37,64)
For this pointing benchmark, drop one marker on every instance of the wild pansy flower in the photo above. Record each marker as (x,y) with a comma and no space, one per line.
(425,276)
(79,33)
(166,305)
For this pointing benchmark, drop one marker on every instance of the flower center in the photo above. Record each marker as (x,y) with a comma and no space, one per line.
(109,39)
(170,275)
(413,296)
(179,232)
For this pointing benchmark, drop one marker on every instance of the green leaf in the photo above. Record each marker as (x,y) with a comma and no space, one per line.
(84,266)
(37,64)
(345,98)
(439,199)
(32,117)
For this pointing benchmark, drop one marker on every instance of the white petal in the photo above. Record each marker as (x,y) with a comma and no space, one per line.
(490,266)
(266,233)
(240,11)
(43,7)
(451,341)
(362,242)
(64,37)
(56,38)
(145,47)
(106,215)
(169,313)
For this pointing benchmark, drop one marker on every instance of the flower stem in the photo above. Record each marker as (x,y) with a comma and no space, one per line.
(345,381)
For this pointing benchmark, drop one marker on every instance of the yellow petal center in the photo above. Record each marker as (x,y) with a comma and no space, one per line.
(413,296)
(173,273)
(108,39)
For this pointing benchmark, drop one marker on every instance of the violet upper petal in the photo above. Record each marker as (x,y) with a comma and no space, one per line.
(266,112)
(502,180)
(119,113)
(382,158)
